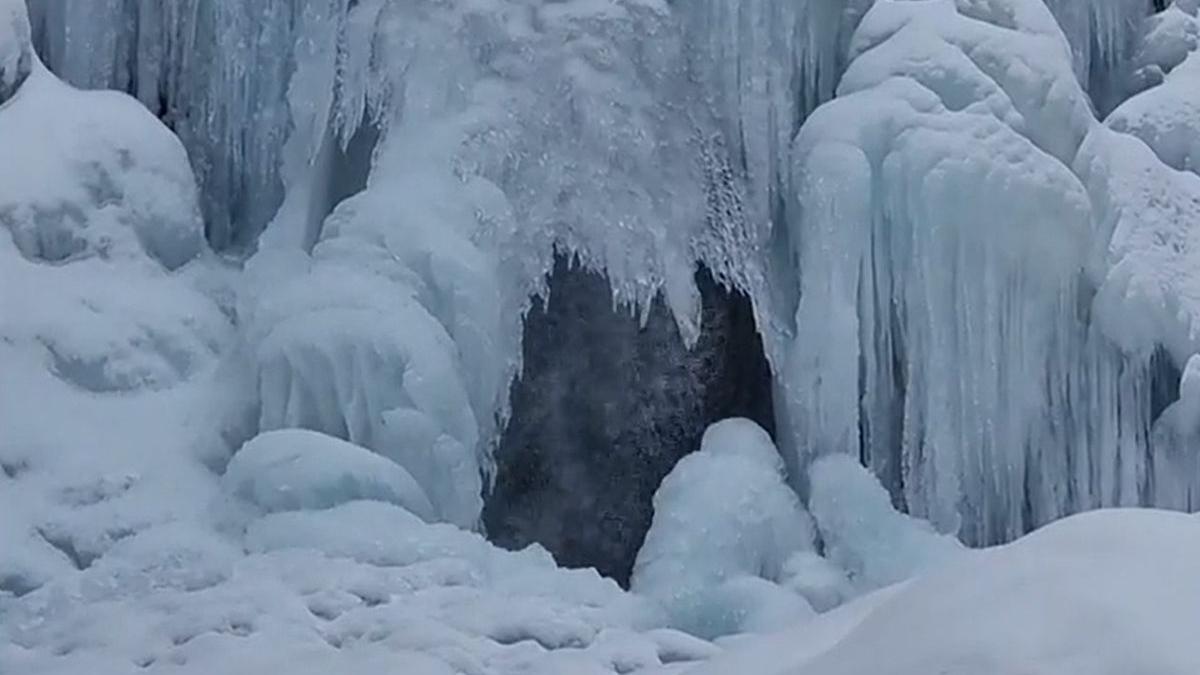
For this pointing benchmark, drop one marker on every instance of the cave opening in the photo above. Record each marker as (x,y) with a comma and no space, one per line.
(604,409)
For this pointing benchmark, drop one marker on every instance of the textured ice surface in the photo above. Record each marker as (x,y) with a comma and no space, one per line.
(725,524)
(297,469)
(863,534)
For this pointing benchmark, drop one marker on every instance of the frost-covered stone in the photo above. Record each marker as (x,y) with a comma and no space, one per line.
(297,469)
(725,524)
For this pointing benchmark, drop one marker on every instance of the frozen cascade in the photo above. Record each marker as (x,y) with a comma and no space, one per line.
(340,107)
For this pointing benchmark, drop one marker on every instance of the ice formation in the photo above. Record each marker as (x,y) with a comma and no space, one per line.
(961,277)
(863,534)
(725,524)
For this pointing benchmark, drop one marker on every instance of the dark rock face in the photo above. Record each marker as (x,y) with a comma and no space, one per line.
(604,410)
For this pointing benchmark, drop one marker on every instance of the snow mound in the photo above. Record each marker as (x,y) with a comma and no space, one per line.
(16,48)
(112,183)
(1150,296)
(109,423)
(296,469)
(1167,117)
(864,534)
(1104,593)
(725,524)
(1167,39)
(1108,592)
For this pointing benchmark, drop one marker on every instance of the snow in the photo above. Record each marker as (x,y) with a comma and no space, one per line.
(863,534)
(1107,592)
(725,524)
(296,469)
(107,342)
(1167,117)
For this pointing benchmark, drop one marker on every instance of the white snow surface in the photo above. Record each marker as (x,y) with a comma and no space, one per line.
(725,524)
(1109,592)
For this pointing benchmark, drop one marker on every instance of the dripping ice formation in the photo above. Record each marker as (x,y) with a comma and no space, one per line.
(966,229)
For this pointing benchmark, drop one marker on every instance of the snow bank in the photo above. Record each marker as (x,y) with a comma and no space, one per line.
(864,534)
(725,524)
(107,345)
(1103,593)
(295,469)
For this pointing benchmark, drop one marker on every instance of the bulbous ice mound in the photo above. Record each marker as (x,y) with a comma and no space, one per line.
(296,469)
(98,176)
(725,525)
(16,49)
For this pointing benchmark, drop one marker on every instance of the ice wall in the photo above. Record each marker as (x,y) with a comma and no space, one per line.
(921,260)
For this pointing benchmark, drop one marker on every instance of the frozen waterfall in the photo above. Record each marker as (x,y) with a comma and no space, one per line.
(903,190)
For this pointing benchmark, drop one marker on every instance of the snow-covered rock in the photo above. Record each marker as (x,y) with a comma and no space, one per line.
(725,524)
(297,469)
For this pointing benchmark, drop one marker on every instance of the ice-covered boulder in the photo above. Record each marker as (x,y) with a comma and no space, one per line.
(864,534)
(725,524)
(297,469)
